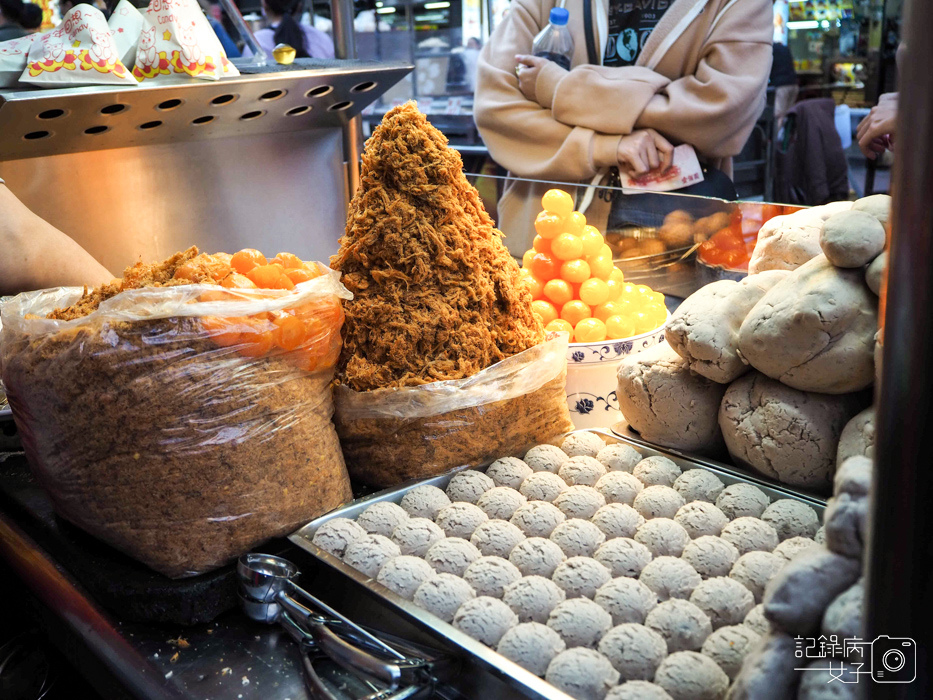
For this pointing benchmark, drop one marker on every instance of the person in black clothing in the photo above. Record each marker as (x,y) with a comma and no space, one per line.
(31,17)
(10,11)
(784,81)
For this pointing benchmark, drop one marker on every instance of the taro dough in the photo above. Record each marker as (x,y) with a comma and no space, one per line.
(858,437)
(875,272)
(814,330)
(783,433)
(667,403)
(705,328)
(787,242)
(852,239)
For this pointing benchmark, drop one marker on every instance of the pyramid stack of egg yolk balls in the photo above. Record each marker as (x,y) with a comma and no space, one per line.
(574,283)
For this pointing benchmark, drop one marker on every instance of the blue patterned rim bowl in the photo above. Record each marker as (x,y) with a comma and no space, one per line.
(591,377)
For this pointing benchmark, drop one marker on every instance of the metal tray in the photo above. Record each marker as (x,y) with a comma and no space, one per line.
(484,672)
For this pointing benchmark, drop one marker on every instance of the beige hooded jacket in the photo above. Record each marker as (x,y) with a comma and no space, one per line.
(700,79)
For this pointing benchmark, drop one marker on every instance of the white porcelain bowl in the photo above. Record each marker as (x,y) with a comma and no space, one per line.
(592,381)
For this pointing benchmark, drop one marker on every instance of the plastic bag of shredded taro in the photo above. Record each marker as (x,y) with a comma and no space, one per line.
(177,42)
(80,51)
(391,435)
(183,425)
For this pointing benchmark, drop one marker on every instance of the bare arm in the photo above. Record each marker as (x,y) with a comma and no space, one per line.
(36,255)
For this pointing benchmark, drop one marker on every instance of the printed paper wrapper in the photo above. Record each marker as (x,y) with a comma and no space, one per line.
(177,41)
(126,24)
(13,55)
(685,170)
(80,51)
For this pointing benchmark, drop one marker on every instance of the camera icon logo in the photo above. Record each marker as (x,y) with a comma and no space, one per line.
(893,659)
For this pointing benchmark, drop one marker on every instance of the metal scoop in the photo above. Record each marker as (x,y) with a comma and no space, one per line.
(268,594)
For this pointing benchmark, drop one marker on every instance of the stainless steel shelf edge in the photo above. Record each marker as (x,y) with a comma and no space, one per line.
(511,679)
(38,122)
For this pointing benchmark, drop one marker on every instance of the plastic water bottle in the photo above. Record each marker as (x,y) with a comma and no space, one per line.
(554,41)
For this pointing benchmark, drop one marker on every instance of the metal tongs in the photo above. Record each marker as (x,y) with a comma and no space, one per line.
(268,593)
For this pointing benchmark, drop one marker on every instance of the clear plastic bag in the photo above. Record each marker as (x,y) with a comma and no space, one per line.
(166,424)
(391,435)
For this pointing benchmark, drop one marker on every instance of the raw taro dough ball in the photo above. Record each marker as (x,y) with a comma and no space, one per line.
(742,500)
(858,437)
(783,433)
(336,534)
(369,553)
(854,477)
(704,329)
(490,575)
(793,546)
(508,471)
(878,205)
(501,502)
(532,646)
(750,534)
(537,518)
(619,487)
(755,570)
(710,556)
(843,617)
(452,555)
(669,578)
(658,502)
(682,624)
(724,600)
(787,242)
(584,674)
(582,471)
(756,620)
(728,647)
(698,485)
(844,682)
(700,519)
(874,273)
(665,538)
(581,577)
(467,486)
(578,538)
(617,520)
(533,598)
(485,619)
(584,443)
(424,502)
(542,486)
(657,471)
(496,538)
(687,675)
(791,518)
(626,600)
(638,690)
(580,622)
(382,518)
(461,519)
(545,458)
(814,330)
(580,502)
(634,651)
(537,556)
(443,595)
(820,536)
(619,457)
(852,239)
(623,557)
(416,535)
(403,575)
(667,403)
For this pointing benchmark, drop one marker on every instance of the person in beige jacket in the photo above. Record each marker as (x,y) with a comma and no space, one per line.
(700,78)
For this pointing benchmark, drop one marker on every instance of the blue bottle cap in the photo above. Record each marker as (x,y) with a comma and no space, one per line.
(559,16)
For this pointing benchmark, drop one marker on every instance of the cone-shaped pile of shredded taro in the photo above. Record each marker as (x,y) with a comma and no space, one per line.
(436,294)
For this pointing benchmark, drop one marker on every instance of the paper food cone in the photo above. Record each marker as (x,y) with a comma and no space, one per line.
(177,40)
(80,51)
(13,54)
(126,24)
